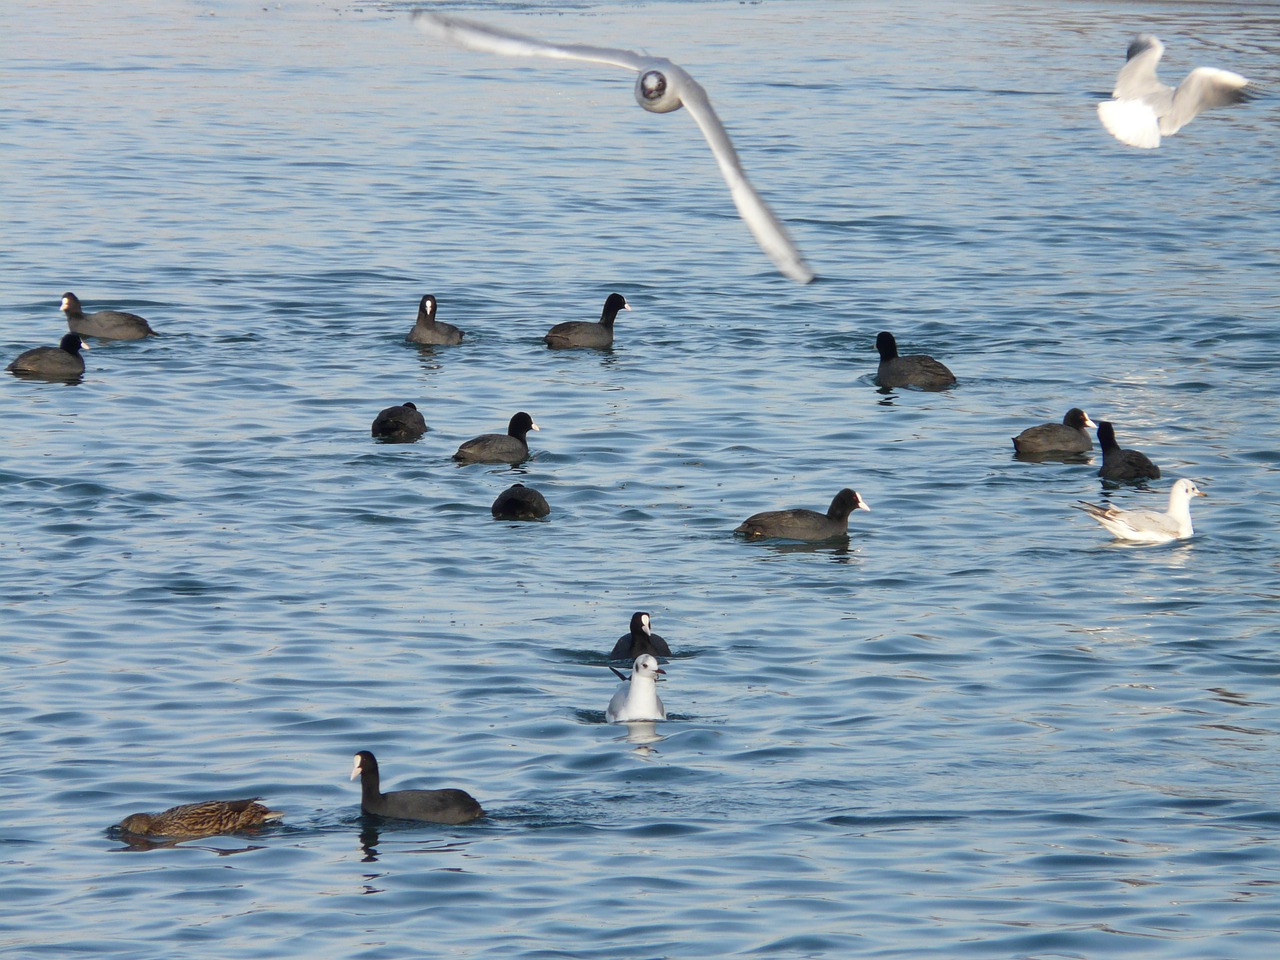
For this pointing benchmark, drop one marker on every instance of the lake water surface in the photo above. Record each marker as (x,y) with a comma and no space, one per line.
(978,728)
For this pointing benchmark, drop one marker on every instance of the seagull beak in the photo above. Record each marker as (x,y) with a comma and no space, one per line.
(1200,493)
(661,671)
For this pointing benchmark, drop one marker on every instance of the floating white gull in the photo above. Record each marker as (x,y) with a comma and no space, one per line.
(660,88)
(1143,109)
(637,698)
(1148,526)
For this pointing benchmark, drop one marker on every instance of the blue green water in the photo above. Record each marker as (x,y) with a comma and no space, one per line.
(979,728)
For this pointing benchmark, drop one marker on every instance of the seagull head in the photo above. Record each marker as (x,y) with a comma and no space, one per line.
(1187,489)
(655,92)
(647,666)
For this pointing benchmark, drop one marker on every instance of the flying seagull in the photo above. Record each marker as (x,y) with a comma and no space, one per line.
(661,87)
(1143,109)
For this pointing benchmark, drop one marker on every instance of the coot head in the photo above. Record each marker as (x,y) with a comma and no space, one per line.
(520,425)
(1077,419)
(72,343)
(886,345)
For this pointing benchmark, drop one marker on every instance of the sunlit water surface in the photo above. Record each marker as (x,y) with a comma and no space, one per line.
(979,728)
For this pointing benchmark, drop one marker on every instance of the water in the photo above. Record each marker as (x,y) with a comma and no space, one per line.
(979,729)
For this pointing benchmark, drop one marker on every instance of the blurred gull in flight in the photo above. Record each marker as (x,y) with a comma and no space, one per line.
(660,88)
(1144,109)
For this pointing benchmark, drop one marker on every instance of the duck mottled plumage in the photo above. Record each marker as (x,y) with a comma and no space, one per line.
(209,818)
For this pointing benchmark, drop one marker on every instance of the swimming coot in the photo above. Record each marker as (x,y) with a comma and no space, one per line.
(640,640)
(430,330)
(801,524)
(1069,436)
(62,362)
(919,371)
(1122,465)
(105,324)
(519,502)
(401,424)
(509,447)
(575,334)
(437,806)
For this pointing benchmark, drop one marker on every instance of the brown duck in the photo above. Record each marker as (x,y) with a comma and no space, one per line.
(210,818)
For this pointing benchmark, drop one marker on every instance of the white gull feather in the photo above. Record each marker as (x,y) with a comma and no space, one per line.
(1149,526)
(1143,109)
(637,697)
(660,88)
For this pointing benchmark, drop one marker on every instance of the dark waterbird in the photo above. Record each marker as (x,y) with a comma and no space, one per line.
(1069,436)
(519,502)
(429,330)
(62,362)
(209,818)
(509,447)
(801,524)
(640,640)
(437,806)
(1122,465)
(582,334)
(918,370)
(401,423)
(105,324)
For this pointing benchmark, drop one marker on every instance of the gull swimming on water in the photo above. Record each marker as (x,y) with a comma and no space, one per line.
(661,87)
(1149,526)
(1143,109)
(637,697)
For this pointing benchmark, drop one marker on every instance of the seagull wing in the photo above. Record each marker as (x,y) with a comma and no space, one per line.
(474,36)
(1133,116)
(1148,521)
(1204,87)
(760,219)
(1137,78)
(1141,525)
